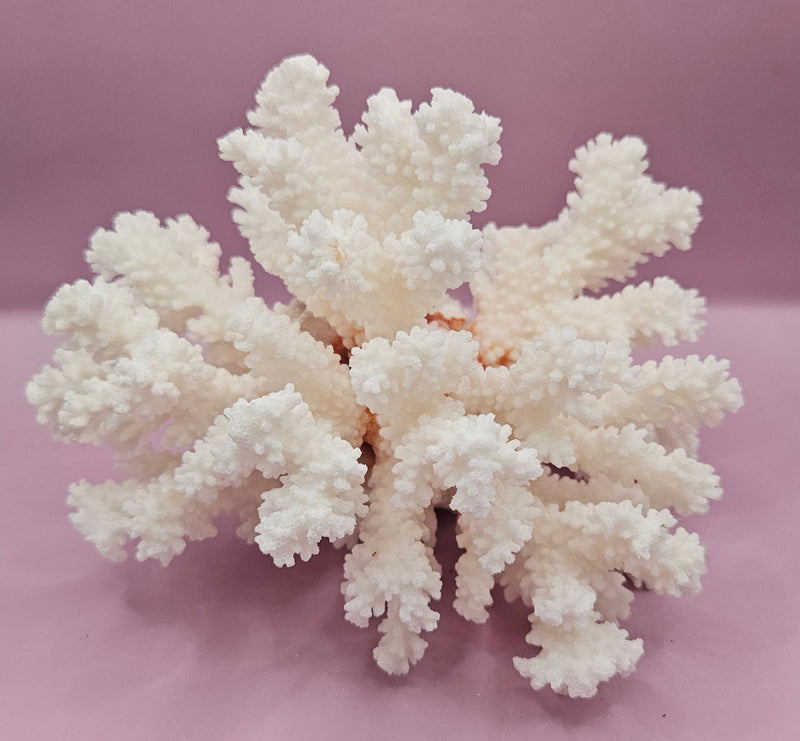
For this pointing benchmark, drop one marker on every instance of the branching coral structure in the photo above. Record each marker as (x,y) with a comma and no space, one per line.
(374,397)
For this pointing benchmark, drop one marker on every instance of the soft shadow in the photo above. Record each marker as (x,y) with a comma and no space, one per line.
(234,598)
(244,613)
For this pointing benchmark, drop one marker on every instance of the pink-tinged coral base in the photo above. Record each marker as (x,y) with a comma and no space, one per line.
(225,644)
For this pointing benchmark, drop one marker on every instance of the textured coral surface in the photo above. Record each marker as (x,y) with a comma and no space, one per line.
(375,397)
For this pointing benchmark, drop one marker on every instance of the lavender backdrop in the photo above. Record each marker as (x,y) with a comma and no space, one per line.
(115,105)
(110,105)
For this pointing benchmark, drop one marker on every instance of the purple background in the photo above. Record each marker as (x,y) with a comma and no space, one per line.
(113,105)
(110,105)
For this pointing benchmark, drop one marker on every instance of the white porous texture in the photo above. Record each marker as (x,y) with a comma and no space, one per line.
(374,397)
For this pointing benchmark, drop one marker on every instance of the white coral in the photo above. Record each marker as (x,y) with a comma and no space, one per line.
(373,398)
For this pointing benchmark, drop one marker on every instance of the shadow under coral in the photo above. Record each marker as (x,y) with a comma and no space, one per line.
(248,620)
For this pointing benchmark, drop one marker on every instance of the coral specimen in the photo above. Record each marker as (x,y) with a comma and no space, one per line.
(375,397)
